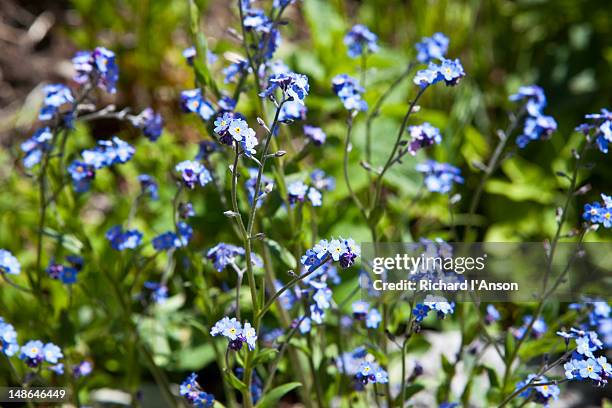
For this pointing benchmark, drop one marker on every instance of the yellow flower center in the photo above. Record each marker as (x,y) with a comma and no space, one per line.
(590,368)
(608,215)
(237,130)
(233,330)
(34,350)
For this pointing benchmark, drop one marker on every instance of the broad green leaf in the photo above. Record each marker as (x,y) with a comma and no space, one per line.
(274,395)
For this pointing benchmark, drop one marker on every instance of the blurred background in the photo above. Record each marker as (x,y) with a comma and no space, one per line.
(563,46)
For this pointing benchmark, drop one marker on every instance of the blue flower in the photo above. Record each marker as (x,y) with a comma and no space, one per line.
(296,192)
(35,146)
(536,128)
(52,353)
(8,263)
(596,213)
(540,394)
(295,87)
(68,275)
(108,152)
(223,254)
(82,369)
(449,71)
(159,291)
(292,111)
(321,181)
(81,174)
(193,173)
(373,319)
(350,92)
(232,329)
(33,353)
(434,47)
(440,305)
(589,369)
(56,95)
(8,339)
(99,66)
(315,134)
(439,177)
(191,390)
(189,53)
(186,210)
(420,312)
(151,123)
(192,101)
(121,240)
(360,40)
(360,309)
(149,186)
(423,136)
(492,314)
(241,132)
(536,99)
(239,67)
(371,372)
(538,329)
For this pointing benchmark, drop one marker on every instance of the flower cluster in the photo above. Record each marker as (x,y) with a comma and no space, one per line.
(371,372)
(541,394)
(193,101)
(66,273)
(267,35)
(439,177)
(171,240)
(97,66)
(598,213)
(350,92)
(601,126)
(193,172)
(537,125)
(105,154)
(362,366)
(341,250)
(584,364)
(422,136)
(56,95)
(192,391)
(298,191)
(239,67)
(8,263)
(449,71)
(151,123)
(121,240)
(236,333)
(436,303)
(231,127)
(430,48)
(224,254)
(295,87)
(34,353)
(8,339)
(35,146)
(360,40)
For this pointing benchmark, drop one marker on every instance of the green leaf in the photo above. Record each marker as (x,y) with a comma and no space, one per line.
(201,45)
(265,355)
(272,397)
(410,390)
(190,359)
(283,253)
(509,345)
(235,381)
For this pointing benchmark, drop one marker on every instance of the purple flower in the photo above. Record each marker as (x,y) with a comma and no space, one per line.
(98,66)
(193,173)
(315,134)
(422,136)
